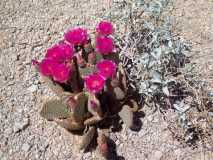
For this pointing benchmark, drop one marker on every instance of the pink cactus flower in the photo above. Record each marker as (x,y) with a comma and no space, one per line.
(47,66)
(77,36)
(94,83)
(106,68)
(104,45)
(35,62)
(61,73)
(104,28)
(60,52)
(93,104)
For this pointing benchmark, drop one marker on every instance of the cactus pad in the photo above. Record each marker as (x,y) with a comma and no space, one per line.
(54,109)
(119,94)
(87,138)
(86,71)
(69,124)
(98,57)
(81,110)
(56,88)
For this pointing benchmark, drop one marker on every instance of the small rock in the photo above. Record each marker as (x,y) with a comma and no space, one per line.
(125,137)
(113,137)
(87,155)
(32,88)
(157,155)
(141,133)
(8,131)
(150,118)
(178,152)
(26,147)
(1,153)
(117,142)
(18,126)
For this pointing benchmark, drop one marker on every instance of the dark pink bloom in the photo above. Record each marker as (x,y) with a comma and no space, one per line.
(94,83)
(35,62)
(104,45)
(106,68)
(60,52)
(93,104)
(61,73)
(104,28)
(77,36)
(47,66)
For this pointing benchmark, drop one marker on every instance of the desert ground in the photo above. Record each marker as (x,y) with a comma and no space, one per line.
(28,28)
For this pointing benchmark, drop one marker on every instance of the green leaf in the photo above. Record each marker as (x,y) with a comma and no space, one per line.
(54,109)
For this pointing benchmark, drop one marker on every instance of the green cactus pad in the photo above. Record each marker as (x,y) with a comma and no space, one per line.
(69,124)
(81,110)
(65,96)
(87,138)
(56,88)
(54,109)
(87,70)
(98,57)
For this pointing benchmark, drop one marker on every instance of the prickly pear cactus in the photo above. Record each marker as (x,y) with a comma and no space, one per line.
(80,109)
(90,83)
(87,138)
(53,109)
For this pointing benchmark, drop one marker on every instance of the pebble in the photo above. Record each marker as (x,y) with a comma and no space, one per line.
(8,131)
(18,126)
(178,151)
(141,133)
(26,147)
(117,142)
(87,155)
(33,88)
(157,155)
(150,118)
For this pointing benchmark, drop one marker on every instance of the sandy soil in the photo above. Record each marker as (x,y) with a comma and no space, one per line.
(195,23)
(27,28)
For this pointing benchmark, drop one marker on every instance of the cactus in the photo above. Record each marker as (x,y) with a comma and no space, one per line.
(86,71)
(70,124)
(54,86)
(94,107)
(92,58)
(119,94)
(98,57)
(102,141)
(87,138)
(54,109)
(80,110)
(92,87)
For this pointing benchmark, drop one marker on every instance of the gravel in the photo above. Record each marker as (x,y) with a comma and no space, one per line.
(20,125)
(27,28)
